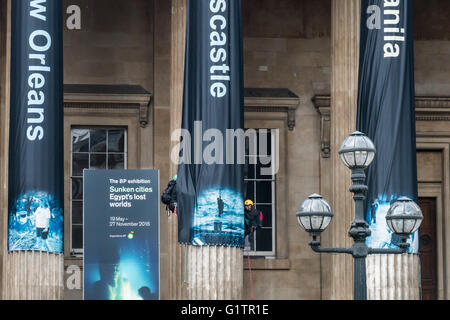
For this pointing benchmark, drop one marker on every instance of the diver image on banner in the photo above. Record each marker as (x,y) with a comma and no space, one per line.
(121,271)
(36,223)
(218,217)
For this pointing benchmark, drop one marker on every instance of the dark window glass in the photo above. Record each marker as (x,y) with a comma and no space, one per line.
(98,161)
(264,192)
(80,140)
(116,161)
(249,170)
(77,212)
(116,141)
(77,189)
(250,190)
(80,161)
(77,237)
(264,239)
(98,140)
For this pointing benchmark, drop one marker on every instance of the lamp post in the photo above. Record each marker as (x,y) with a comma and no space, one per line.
(315,214)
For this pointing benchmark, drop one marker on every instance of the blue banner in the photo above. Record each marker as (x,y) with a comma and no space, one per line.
(36,172)
(386,111)
(210,179)
(121,235)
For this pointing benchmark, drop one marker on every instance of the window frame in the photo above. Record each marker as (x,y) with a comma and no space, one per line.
(273,180)
(78,251)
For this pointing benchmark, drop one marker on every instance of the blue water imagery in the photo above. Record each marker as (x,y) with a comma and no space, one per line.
(382,236)
(23,234)
(125,270)
(219,218)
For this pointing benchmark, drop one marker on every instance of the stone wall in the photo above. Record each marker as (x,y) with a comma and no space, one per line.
(288,45)
(114,45)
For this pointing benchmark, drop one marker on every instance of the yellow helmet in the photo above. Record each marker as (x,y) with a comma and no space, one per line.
(248,203)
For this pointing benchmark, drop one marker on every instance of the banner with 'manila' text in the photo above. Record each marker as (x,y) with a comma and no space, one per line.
(36,172)
(386,111)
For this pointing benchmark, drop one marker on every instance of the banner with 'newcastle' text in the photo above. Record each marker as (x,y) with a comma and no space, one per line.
(210,177)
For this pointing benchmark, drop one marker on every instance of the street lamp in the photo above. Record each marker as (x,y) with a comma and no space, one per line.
(315,214)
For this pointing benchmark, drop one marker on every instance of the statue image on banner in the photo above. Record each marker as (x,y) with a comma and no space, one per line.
(36,223)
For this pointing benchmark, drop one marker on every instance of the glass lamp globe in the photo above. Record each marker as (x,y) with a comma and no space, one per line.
(404,217)
(314,214)
(357,151)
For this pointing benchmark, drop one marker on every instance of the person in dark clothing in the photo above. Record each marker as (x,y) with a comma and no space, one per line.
(169,196)
(253,218)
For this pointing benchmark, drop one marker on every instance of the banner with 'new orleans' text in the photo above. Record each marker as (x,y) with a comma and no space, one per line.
(36,172)
(209,185)
(386,110)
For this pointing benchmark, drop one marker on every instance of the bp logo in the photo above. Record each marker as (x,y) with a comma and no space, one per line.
(130,235)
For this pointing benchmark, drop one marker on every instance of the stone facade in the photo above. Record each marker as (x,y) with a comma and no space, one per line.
(287,44)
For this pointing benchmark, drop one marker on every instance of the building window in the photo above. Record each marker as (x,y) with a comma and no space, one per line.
(260,188)
(91,148)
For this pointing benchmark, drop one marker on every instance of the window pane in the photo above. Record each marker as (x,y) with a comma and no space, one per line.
(80,161)
(264,192)
(116,161)
(250,190)
(249,169)
(80,140)
(77,188)
(267,214)
(98,161)
(98,141)
(116,139)
(264,239)
(77,237)
(77,212)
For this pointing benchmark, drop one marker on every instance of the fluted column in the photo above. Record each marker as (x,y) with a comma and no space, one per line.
(393,277)
(177,253)
(344,90)
(389,277)
(5,45)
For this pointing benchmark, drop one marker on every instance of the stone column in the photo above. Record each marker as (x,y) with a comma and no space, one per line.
(177,261)
(197,272)
(25,275)
(5,40)
(388,276)
(393,277)
(344,91)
